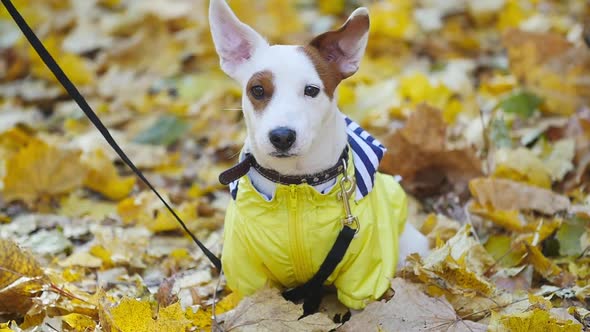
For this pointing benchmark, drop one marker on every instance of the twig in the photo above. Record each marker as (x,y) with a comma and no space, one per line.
(213,307)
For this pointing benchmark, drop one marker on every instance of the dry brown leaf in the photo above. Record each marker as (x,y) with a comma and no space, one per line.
(268,311)
(418,153)
(410,310)
(509,195)
(21,278)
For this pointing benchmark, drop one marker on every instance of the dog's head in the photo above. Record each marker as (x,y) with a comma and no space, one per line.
(288,90)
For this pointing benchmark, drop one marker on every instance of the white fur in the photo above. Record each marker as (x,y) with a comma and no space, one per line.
(318,123)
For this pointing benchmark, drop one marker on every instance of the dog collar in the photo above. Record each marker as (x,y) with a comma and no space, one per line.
(243,167)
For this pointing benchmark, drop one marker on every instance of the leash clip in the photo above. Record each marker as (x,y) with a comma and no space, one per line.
(347,188)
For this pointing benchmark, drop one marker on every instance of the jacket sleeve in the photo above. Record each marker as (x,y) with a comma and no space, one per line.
(245,273)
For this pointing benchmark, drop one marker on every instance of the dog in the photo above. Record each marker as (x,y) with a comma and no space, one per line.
(286,213)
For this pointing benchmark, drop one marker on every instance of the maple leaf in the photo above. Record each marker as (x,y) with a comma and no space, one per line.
(268,311)
(41,171)
(410,310)
(133,315)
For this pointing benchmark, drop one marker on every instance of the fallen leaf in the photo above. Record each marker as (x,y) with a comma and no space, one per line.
(268,311)
(521,165)
(21,278)
(457,267)
(560,160)
(46,242)
(500,247)
(165,131)
(439,228)
(534,320)
(510,195)
(569,237)
(75,206)
(79,323)
(83,259)
(523,104)
(547,268)
(132,315)
(418,153)
(40,171)
(104,178)
(410,310)
(145,209)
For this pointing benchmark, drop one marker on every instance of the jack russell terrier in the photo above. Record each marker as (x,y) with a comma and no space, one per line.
(306,170)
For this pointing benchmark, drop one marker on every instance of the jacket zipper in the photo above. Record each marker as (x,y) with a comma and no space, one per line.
(296,239)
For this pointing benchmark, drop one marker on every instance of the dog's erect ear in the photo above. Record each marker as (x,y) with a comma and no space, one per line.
(234,41)
(346,46)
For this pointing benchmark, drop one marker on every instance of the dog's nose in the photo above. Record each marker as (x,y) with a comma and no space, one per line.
(282,138)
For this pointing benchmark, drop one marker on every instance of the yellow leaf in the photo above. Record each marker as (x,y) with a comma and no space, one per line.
(5,327)
(76,207)
(132,315)
(535,320)
(512,15)
(333,7)
(103,253)
(21,278)
(73,65)
(40,171)
(547,268)
(509,219)
(81,258)
(523,166)
(498,84)
(505,254)
(393,19)
(274,19)
(418,88)
(457,266)
(104,178)
(145,209)
(202,318)
(79,323)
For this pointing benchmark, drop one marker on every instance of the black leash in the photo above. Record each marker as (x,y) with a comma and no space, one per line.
(79,99)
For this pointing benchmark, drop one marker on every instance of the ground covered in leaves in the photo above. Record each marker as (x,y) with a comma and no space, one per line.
(483,105)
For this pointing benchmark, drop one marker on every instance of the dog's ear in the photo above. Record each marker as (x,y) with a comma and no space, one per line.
(345,47)
(234,41)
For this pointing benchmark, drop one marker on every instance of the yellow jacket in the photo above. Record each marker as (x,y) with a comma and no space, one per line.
(283,242)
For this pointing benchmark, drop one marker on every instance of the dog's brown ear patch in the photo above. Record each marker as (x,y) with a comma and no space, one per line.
(328,71)
(260,89)
(337,54)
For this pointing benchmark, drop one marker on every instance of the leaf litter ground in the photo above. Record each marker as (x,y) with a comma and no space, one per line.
(483,105)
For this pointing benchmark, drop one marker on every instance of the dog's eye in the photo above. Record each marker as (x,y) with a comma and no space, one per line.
(312,91)
(257,91)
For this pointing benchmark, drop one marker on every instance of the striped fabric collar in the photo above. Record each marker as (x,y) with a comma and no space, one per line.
(367,153)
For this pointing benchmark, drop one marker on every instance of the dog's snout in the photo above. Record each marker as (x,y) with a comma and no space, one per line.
(282,138)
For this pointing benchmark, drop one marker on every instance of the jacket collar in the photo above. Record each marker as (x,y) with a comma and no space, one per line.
(367,153)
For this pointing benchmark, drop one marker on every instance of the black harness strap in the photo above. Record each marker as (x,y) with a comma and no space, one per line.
(311,291)
(79,99)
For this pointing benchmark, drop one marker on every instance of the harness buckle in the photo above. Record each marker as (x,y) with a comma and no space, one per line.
(347,188)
